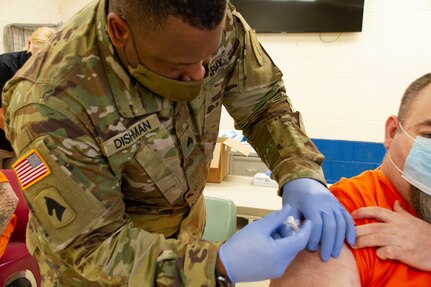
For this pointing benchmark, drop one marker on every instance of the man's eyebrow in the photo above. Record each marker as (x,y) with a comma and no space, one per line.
(426,122)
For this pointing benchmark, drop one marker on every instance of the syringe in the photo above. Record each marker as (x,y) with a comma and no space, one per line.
(292,223)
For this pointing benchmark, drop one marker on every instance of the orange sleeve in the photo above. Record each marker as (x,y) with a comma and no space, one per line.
(4,238)
(372,188)
(348,192)
(348,195)
(3,178)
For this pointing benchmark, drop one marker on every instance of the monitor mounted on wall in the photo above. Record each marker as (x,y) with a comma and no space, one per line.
(297,16)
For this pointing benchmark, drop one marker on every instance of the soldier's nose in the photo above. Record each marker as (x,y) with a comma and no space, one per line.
(194,73)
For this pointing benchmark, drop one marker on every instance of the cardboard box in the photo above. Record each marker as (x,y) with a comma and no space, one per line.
(219,167)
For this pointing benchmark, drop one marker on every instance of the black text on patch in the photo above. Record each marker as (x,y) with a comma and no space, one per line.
(131,135)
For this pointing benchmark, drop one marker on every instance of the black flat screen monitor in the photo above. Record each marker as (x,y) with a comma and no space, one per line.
(278,16)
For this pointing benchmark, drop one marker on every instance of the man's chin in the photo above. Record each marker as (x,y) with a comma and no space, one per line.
(421,203)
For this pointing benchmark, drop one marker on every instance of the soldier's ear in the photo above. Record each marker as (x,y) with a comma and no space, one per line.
(118,30)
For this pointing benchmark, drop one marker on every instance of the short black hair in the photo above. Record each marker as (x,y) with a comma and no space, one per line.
(202,14)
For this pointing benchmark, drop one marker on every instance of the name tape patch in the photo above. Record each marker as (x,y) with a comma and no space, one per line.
(131,135)
(31,168)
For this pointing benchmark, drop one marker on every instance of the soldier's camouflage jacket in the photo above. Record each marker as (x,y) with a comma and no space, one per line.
(114,174)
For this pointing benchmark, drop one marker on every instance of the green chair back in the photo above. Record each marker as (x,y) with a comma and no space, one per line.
(221,219)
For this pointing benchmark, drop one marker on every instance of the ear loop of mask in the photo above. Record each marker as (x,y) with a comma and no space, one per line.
(389,154)
(399,124)
(134,45)
(390,158)
(417,164)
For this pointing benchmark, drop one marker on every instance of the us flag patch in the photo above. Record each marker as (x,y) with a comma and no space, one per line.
(31,168)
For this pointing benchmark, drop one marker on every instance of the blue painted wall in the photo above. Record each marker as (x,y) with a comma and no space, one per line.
(348,158)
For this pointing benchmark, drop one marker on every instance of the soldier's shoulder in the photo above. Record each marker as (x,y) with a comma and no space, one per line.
(66,52)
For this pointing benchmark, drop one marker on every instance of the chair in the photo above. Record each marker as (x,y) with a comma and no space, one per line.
(17,266)
(221,219)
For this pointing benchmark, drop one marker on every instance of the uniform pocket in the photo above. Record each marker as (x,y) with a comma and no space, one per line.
(159,157)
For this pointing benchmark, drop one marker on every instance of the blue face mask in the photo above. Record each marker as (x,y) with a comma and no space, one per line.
(417,167)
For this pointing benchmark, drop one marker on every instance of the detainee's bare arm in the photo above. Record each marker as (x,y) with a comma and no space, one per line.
(309,270)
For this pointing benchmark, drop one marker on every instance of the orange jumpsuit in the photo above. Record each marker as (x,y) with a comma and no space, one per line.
(372,188)
(4,238)
(6,211)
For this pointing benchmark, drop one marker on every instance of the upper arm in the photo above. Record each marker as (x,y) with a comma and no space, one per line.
(254,81)
(74,181)
(308,270)
(255,97)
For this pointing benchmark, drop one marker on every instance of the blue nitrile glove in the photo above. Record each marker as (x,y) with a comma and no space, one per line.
(252,254)
(332,224)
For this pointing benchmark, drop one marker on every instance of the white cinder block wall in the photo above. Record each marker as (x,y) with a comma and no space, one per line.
(70,7)
(345,85)
(28,11)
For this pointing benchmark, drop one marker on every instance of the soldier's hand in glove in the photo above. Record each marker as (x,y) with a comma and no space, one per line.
(332,224)
(254,254)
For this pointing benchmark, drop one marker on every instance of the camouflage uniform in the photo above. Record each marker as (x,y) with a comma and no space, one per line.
(119,201)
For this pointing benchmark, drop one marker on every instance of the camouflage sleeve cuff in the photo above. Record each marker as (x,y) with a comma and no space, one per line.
(306,170)
(200,263)
(279,137)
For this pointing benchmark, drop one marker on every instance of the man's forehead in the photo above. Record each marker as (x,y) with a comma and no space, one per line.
(179,41)
(420,109)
